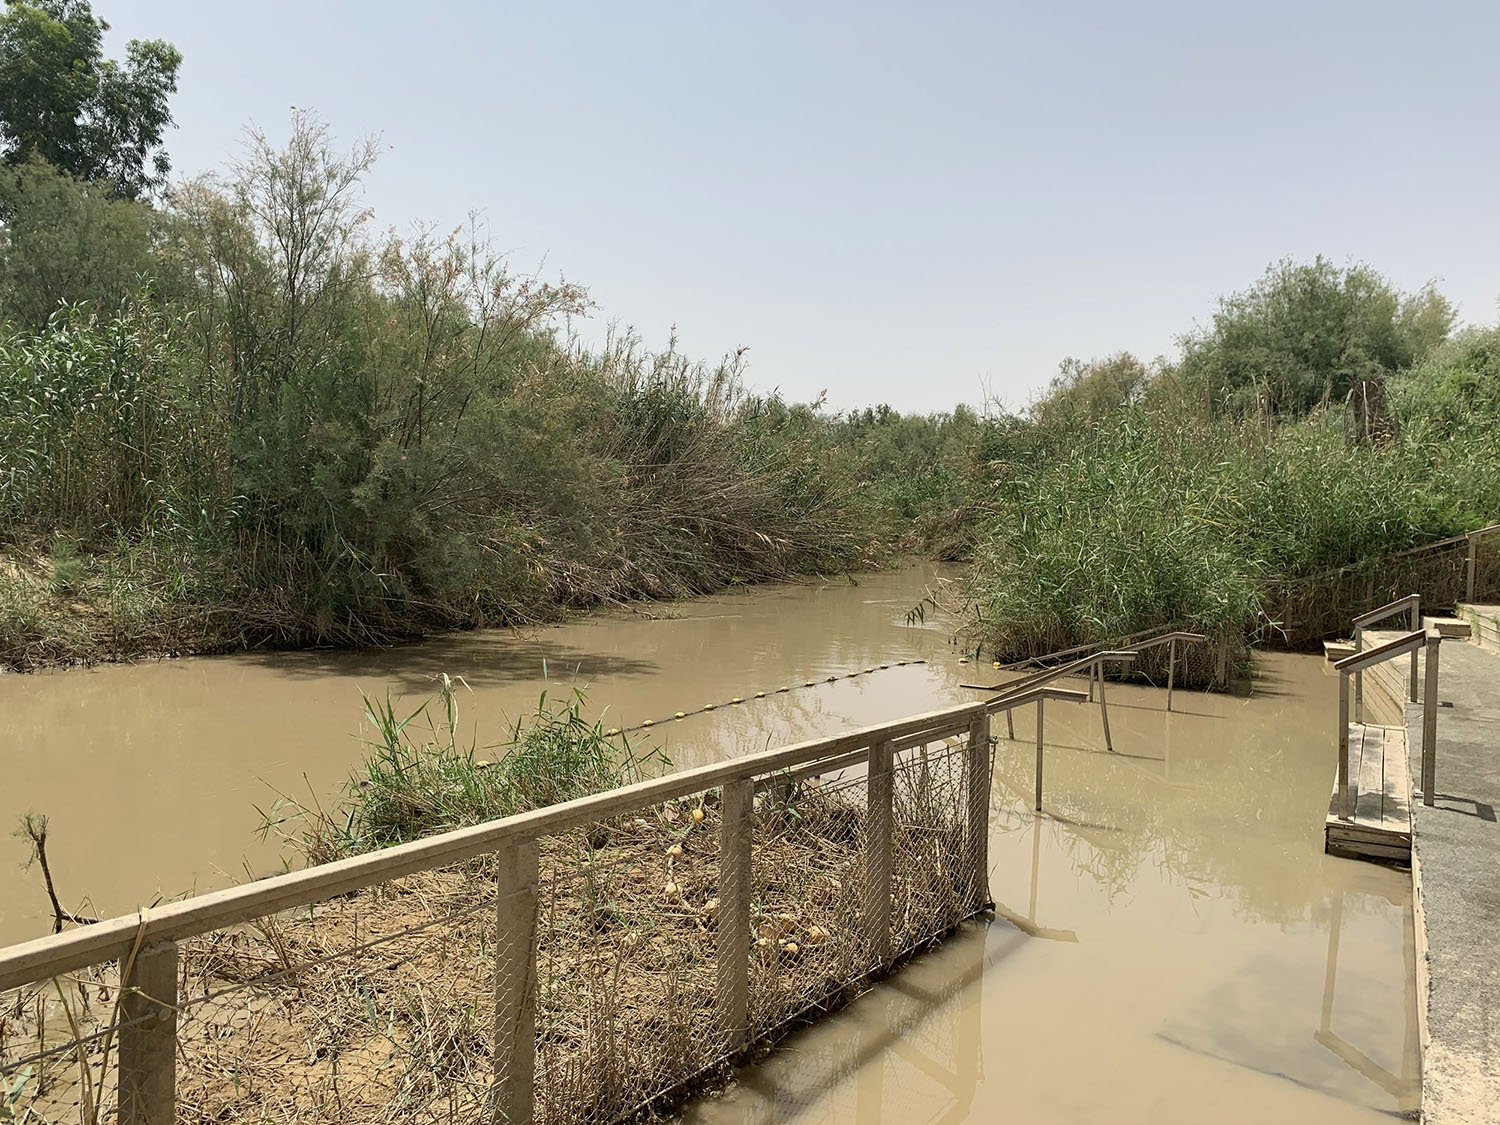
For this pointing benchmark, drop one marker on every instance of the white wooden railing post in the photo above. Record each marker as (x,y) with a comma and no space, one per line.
(979,810)
(1344,745)
(733,944)
(879,791)
(1039,701)
(515,982)
(148,1037)
(1429,719)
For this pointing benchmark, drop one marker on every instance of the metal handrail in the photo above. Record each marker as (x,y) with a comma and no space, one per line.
(1411,602)
(1168,638)
(1407,642)
(1038,695)
(1094,664)
(1175,635)
(1126,641)
(1355,665)
(1073,666)
(1031,695)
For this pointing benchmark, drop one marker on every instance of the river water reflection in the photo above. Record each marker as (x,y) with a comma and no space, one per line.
(1171,945)
(150,774)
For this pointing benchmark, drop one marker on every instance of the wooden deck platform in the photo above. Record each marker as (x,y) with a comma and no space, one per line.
(1380,798)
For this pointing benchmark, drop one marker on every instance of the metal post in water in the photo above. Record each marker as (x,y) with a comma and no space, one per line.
(1104,710)
(1039,701)
(979,811)
(1171,670)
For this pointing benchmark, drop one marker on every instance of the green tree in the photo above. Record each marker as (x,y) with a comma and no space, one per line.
(68,242)
(97,119)
(1305,334)
(1091,391)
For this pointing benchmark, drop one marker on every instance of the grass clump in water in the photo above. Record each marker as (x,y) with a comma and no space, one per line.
(417,779)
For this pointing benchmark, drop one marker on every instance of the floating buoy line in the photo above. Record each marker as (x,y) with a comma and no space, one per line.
(737,700)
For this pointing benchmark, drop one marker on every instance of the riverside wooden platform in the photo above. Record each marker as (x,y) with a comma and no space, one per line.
(1379,827)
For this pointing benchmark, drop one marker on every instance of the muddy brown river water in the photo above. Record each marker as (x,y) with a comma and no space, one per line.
(1171,943)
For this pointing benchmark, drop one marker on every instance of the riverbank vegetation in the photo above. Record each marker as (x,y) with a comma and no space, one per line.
(235,412)
(1323,420)
(244,417)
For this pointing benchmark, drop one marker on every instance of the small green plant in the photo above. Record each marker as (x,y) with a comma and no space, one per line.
(68,567)
(417,779)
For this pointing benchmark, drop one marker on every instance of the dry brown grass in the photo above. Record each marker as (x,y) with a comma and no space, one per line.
(379,1006)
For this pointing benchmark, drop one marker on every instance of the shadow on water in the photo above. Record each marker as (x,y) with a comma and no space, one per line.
(483,659)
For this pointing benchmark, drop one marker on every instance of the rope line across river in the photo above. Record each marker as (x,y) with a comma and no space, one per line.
(647,724)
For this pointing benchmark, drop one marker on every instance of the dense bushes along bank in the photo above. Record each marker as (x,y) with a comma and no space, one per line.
(1323,420)
(277,427)
(243,418)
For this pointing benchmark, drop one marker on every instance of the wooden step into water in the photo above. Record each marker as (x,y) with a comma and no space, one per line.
(1379,827)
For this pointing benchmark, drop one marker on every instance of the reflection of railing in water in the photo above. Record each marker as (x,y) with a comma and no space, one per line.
(915,1034)
(1407,1085)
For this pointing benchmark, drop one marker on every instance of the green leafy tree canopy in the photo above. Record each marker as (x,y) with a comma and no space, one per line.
(97,119)
(1307,333)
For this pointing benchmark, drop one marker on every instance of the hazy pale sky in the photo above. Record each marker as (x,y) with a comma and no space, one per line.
(916,204)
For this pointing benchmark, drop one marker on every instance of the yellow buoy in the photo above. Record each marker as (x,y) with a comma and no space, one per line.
(760,695)
(681,715)
(736,699)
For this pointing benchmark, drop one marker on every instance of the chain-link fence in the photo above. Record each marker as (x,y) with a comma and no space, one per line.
(591,968)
